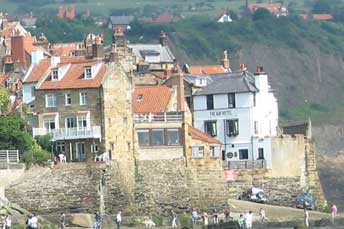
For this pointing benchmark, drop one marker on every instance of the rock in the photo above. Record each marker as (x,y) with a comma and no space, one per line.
(82,220)
(3,211)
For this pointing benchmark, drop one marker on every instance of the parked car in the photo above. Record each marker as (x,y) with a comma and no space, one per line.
(305,200)
(254,195)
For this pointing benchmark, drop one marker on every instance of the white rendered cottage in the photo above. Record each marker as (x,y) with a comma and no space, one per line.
(240,110)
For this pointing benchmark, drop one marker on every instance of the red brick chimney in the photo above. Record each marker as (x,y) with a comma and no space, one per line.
(18,52)
(180,92)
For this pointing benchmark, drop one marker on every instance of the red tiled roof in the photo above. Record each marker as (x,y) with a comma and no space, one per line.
(74,78)
(4,77)
(320,17)
(199,135)
(64,49)
(155,99)
(272,7)
(164,19)
(38,71)
(207,69)
(9,29)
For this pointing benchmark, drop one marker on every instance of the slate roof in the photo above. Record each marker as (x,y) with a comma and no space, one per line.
(153,99)
(121,20)
(229,83)
(165,54)
(199,135)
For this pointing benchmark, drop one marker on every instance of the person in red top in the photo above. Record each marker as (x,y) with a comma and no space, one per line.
(333,211)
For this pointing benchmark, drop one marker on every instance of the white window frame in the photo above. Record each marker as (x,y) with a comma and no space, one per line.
(83,98)
(88,73)
(81,119)
(54,100)
(54,74)
(49,120)
(94,148)
(68,96)
(214,151)
(197,151)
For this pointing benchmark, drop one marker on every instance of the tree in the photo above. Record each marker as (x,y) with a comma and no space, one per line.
(13,133)
(45,142)
(261,14)
(4,99)
(321,6)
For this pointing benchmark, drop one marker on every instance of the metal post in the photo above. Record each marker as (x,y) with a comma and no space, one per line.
(18,156)
(7,157)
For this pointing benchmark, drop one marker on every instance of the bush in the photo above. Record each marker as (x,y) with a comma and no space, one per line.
(36,155)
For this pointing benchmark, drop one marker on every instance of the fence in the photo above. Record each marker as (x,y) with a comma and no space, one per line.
(245,164)
(9,156)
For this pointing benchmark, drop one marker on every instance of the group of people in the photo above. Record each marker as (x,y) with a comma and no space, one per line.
(98,220)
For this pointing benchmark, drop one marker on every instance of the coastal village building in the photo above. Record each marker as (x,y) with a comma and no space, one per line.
(120,22)
(277,9)
(240,110)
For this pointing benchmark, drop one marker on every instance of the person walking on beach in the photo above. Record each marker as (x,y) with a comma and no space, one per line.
(98,223)
(119,220)
(63,221)
(306,217)
(262,215)
(241,222)
(215,217)
(248,220)
(205,219)
(194,216)
(174,219)
(334,212)
(7,222)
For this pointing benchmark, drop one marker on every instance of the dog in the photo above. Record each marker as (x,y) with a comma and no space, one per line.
(149,223)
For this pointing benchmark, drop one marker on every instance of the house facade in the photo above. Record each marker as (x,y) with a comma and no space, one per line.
(240,110)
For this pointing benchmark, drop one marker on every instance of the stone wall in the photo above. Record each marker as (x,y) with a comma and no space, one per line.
(166,184)
(10,175)
(293,172)
(70,188)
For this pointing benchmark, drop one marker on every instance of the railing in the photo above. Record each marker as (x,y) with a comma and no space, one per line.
(159,117)
(9,156)
(69,133)
(245,164)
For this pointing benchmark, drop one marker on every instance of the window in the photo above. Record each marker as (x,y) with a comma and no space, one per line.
(88,72)
(210,102)
(50,101)
(198,151)
(32,91)
(83,98)
(54,74)
(143,136)
(214,151)
(232,127)
(49,123)
(94,148)
(125,121)
(243,154)
(158,137)
(255,127)
(173,137)
(231,100)
(70,122)
(82,121)
(68,99)
(260,153)
(60,147)
(210,128)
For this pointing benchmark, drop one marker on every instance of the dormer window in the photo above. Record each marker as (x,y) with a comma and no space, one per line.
(55,74)
(88,72)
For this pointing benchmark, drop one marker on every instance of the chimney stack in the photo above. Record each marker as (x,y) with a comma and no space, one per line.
(163,38)
(180,92)
(225,60)
(119,38)
(97,47)
(18,52)
(243,68)
(259,70)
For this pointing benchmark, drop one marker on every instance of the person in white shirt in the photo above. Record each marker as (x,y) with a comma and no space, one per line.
(7,222)
(262,215)
(119,220)
(248,220)
(33,222)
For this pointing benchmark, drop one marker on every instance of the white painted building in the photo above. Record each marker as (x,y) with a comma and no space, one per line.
(240,110)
